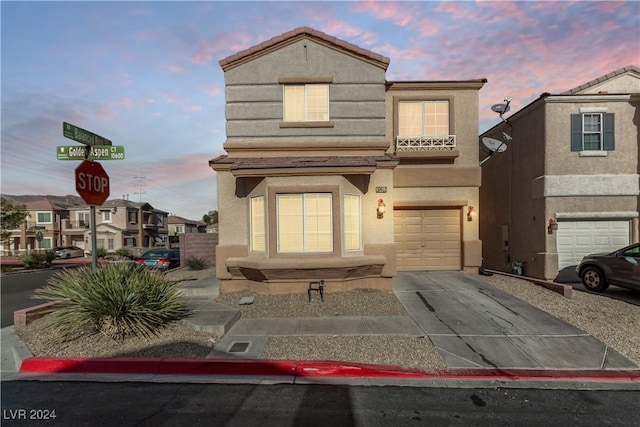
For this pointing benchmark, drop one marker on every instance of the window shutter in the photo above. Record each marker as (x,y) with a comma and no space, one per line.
(608,144)
(576,132)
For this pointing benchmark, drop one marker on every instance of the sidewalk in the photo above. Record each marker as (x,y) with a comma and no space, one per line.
(480,332)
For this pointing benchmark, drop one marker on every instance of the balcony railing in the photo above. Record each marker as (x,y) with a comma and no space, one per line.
(80,224)
(425,143)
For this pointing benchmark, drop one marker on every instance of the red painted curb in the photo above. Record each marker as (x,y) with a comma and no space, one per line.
(316,369)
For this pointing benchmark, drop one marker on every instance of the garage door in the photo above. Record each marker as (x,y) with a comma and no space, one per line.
(428,239)
(579,238)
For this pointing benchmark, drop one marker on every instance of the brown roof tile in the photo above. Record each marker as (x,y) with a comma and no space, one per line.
(229,60)
(601,79)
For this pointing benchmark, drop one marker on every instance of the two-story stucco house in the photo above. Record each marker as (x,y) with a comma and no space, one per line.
(334,173)
(66,220)
(568,184)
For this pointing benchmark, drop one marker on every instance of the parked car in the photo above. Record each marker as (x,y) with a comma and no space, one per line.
(619,268)
(162,259)
(68,252)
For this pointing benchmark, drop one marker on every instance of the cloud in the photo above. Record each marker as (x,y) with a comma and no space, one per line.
(220,46)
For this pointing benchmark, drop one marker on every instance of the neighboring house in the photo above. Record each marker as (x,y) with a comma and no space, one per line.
(43,224)
(572,165)
(66,221)
(178,225)
(334,173)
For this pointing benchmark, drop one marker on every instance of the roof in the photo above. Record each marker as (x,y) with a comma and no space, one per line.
(174,219)
(253,163)
(295,34)
(601,79)
(44,202)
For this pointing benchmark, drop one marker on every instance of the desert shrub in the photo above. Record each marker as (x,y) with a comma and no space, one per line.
(124,253)
(116,300)
(195,263)
(38,259)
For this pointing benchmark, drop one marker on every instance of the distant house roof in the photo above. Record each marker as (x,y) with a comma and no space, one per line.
(44,202)
(601,79)
(174,219)
(300,32)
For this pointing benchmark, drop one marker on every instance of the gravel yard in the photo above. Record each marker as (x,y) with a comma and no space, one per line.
(615,323)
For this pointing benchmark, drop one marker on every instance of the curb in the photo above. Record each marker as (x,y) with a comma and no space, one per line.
(314,369)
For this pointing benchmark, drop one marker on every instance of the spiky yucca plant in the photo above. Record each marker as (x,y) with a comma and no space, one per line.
(115,299)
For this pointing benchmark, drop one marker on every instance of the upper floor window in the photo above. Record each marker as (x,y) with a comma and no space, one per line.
(178,229)
(592,132)
(133,217)
(304,222)
(43,218)
(423,118)
(106,216)
(306,102)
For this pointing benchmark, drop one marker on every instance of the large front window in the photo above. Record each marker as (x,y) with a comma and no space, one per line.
(308,102)
(423,118)
(304,222)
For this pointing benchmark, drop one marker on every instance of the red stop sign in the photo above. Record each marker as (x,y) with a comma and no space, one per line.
(92,183)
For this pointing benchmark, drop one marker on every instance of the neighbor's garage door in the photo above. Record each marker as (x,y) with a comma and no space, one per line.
(579,238)
(428,239)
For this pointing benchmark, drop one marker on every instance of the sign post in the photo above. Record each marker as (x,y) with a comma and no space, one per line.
(92,184)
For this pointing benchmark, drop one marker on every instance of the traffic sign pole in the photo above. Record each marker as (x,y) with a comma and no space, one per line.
(94,237)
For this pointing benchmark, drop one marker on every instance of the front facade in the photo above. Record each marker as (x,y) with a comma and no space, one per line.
(64,221)
(568,184)
(308,188)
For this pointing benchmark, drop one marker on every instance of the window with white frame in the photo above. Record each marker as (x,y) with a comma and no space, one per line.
(258,224)
(179,229)
(308,102)
(423,118)
(83,219)
(110,244)
(304,222)
(129,241)
(45,243)
(592,131)
(100,243)
(43,218)
(106,216)
(352,222)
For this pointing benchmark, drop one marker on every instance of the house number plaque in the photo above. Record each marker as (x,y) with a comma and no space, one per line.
(381,189)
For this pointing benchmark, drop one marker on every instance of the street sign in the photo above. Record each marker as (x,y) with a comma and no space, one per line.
(96,152)
(83,136)
(92,183)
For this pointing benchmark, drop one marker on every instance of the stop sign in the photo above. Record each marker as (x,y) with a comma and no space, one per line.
(92,183)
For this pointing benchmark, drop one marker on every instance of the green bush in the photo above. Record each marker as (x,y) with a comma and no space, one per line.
(101,253)
(38,259)
(124,253)
(116,300)
(195,263)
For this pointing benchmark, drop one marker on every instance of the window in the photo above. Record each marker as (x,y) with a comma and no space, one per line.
(83,219)
(423,118)
(133,217)
(258,235)
(179,229)
(352,223)
(306,103)
(45,243)
(130,241)
(106,216)
(110,244)
(304,222)
(100,243)
(592,132)
(159,220)
(43,218)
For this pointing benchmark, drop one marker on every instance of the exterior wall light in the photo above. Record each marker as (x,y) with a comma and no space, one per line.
(471,212)
(553,225)
(380,209)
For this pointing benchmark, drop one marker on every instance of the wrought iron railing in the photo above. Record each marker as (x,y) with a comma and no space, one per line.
(425,143)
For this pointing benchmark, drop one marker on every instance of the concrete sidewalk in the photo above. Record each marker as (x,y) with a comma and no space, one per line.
(474,326)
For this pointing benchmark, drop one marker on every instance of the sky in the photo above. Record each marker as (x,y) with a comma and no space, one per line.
(145,75)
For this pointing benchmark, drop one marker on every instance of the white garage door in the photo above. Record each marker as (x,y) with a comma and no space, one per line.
(428,239)
(579,238)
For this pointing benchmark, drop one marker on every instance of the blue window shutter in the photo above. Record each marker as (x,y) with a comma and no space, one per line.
(576,132)
(608,144)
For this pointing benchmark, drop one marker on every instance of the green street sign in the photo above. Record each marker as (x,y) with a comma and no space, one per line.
(96,152)
(83,136)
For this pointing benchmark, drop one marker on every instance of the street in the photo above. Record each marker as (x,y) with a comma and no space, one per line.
(16,290)
(128,404)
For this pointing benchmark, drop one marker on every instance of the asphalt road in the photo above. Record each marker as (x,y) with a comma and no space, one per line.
(155,404)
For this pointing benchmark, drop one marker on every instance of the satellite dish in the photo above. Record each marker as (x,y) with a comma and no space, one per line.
(500,108)
(494,145)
